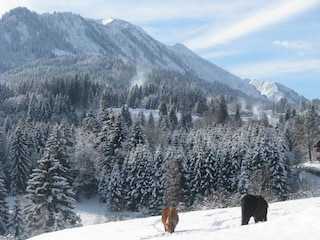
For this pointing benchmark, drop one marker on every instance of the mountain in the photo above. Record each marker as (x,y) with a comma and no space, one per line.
(276,91)
(28,36)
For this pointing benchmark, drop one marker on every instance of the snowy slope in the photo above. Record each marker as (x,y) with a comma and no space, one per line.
(210,72)
(275,91)
(28,36)
(290,220)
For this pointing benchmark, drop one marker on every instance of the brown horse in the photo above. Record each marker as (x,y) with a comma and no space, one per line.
(170,219)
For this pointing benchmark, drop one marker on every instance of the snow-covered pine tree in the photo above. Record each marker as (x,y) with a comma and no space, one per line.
(137,136)
(114,152)
(84,163)
(312,123)
(90,123)
(17,221)
(147,163)
(103,185)
(222,111)
(66,140)
(114,195)
(185,121)
(3,150)
(136,179)
(20,164)
(4,209)
(187,174)
(51,200)
(135,97)
(172,165)
(34,108)
(126,116)
(39,135)
(173,119)
(106,119)
(157,182)
(228,165)
(45,109)
(256,155)
(279,167)
(199,156)
(236,156)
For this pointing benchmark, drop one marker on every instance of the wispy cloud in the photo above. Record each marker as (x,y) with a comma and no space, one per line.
(302,47)
(269,69)
(298,44)
(266,15)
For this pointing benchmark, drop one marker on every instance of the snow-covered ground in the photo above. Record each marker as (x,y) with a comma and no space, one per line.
(289,220)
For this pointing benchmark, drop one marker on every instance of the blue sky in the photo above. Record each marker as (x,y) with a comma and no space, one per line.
(276,40)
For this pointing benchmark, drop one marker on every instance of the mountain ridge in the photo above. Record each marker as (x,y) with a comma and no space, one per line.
(29,36)
(276,91)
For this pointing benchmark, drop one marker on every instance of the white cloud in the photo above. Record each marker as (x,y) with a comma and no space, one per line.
(298,44)
(302,47)
(265,70)
(266,15)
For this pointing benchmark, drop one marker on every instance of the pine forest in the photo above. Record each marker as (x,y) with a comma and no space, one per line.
(63,137)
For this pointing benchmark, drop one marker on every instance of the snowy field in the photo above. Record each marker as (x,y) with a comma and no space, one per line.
(289,220)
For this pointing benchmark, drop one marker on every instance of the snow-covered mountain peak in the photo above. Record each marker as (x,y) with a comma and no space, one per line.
(106,21)
(276,91)
(18,13)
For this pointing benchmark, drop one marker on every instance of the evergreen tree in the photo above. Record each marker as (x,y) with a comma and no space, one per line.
(163,111)
(150,130)
(17,221)
(3,151)
(137,179)
(51,200)
(312,129)
(150,120)
(126,116)
(4,209)
(66,140)
(278,168)
(172,176)
(237,118)
(137,136)
(198,190)
(185,121)
(84,163)
(106,120)
(90,123)
(258,163)
(157,182)
(222,111)
(135,97)
(114,153)
(173,118)
(103,185)
(21,164)
(187,176)
(114,195)
(225,174)
(34,108)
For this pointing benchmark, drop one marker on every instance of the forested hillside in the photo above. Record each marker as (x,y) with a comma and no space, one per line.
(65,137)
